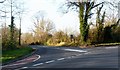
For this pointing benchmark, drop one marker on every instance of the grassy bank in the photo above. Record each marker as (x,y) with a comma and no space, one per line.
(106,44)
(8,55)
(72,44)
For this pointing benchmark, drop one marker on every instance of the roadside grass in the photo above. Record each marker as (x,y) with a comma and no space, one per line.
(107,44)
(72,44)
(8,55)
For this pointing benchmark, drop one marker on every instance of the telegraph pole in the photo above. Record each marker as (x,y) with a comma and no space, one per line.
(12,28)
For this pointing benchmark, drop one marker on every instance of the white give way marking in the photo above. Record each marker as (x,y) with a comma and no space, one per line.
(74,50)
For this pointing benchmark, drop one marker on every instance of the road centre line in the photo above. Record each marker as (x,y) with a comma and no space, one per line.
(72,56)
(60,59)
(50,61)
(87,53)
(21,68)
(24,67)
(38,64)
(68,57)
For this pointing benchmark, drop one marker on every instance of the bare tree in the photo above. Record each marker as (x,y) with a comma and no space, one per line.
(43,28)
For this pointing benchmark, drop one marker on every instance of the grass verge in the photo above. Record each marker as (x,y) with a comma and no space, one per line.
(106,44)
(8,55)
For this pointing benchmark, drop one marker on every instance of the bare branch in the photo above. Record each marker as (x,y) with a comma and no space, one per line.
(3,11)
(2,1)
(110,4)
(97,5)
(74,3)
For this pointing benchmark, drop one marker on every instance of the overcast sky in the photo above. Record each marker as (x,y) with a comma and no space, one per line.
(62,21)
(52,11)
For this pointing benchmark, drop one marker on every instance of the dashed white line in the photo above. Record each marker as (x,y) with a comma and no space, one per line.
(87,53)
(50,61)
(21,68)
(60,59)
(72,56)
(68,57)
(38,64)
(24,67)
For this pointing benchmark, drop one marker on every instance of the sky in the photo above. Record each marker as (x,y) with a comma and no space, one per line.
(67,22)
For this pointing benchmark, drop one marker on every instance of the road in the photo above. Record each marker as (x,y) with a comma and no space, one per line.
(63,57)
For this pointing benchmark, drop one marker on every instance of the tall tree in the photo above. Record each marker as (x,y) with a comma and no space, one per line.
(12,26)
(14,8)
(84,8)
(99,24)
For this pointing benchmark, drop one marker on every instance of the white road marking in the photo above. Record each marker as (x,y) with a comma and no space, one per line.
(37,58)
(24,67)
(31,59)
(68,57)
(50,61)
(60,59)
(87,53)
(21,68)
(38,64)
(110,47)
(75,50)
(72,56)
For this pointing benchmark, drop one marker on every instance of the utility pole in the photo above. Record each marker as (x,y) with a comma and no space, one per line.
(11,24)
(12,28)
(5,26)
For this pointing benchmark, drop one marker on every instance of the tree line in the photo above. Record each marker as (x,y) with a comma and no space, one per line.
(106,29)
